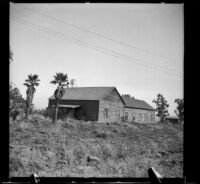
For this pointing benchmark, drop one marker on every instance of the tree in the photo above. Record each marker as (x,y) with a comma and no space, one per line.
(127,95)
(72,83)
(31,82)
(162,106)
(16,102)
(15,98)
(180,108)
(62,80)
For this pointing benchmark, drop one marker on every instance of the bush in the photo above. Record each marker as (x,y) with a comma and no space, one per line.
(79,156)
(49,112)
(107,151)
(100,134)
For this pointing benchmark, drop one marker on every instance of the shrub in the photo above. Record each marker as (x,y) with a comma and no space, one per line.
(79,156)
(107,151)
(100,134)
(49,113)
(115,131)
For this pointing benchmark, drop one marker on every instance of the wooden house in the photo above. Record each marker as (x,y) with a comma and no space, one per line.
(102,104)
(138,111)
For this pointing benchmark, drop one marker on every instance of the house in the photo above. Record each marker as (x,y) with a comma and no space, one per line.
(91,103)
(172,119)
(138,111)
(102,104)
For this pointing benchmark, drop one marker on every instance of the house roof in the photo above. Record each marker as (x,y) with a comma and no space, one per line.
(87,93)
(68,106)
(135,103)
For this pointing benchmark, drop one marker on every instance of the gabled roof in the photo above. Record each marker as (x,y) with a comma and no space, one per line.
(137,104)
(87,93)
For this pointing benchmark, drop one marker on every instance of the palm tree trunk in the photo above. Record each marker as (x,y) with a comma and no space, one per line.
(56,113)
(27,112)
(28,103)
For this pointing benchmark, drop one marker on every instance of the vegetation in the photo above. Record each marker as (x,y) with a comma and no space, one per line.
(180,109)
(72,83)
(31,82)
(62,80)
(127,95)
(87,149)
(162,106)
(16,101)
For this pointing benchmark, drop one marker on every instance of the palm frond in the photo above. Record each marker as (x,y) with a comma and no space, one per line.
(28,80)
(60,79)
(27,84)
(35,77)
(30,77)
(53,82)
(32,80)
(36,84)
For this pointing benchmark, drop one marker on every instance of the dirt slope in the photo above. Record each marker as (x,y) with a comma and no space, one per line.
(88,149)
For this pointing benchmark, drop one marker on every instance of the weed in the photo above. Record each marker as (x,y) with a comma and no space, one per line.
(15,164)
(100,134)
(114,150)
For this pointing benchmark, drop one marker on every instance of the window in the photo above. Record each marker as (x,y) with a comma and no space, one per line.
(146,117)
(117,114)
(152,117)
(126,116)
(133,116)
(140,116)
(105,113)
(149,117)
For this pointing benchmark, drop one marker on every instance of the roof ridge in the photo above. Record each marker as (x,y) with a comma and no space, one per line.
(90,87)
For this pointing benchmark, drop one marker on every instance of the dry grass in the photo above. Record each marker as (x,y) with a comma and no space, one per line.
(88,149)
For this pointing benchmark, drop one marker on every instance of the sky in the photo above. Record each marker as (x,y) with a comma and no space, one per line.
(138,48)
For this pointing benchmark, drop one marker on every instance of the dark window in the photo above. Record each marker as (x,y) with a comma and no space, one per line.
(117,114)
(140,116)
(133,116)
(146,117)
(152,118)
(143,117)
(126,116)
(105,113)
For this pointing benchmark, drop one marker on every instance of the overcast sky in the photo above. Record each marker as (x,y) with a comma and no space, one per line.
(138,48)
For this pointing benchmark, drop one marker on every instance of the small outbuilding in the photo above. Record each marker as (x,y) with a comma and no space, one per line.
(172,119)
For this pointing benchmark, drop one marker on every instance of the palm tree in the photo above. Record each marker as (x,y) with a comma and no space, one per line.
(62,80)
(31,82)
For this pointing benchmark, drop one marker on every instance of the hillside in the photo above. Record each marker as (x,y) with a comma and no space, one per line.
(88,149)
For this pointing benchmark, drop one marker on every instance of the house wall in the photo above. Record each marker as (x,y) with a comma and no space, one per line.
(141,116)
(88,111)
(115,106)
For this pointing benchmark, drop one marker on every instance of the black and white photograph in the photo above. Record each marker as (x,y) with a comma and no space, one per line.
(96,90)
